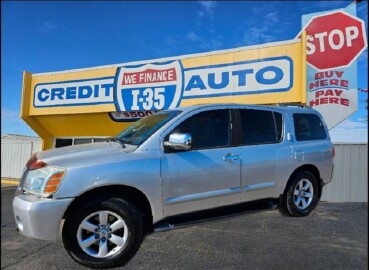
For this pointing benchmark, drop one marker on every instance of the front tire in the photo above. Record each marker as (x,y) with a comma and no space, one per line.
(301,195)
(103,234)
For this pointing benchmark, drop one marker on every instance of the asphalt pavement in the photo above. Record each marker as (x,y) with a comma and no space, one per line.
(334,236)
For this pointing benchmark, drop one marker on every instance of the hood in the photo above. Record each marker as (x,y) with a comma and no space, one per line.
(80,152)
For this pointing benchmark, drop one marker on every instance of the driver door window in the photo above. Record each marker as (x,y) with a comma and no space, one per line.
(209,129)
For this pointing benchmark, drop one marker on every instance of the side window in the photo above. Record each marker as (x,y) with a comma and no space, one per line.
(308,127)
(261,127)
(208,129)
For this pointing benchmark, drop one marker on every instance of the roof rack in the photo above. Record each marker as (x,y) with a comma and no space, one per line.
(293,105)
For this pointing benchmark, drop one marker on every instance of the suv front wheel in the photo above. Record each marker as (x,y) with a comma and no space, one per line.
(103,234)
(301,194)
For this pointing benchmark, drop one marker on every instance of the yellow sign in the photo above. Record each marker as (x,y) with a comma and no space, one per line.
(101,101)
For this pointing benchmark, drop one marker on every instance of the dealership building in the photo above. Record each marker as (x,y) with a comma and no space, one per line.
(88,105)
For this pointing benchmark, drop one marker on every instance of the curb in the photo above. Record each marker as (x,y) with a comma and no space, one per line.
(10,182)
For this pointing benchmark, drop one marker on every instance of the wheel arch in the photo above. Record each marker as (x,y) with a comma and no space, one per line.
(131,194)
(310,168)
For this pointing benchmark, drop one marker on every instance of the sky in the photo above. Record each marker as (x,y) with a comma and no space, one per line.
(46,36)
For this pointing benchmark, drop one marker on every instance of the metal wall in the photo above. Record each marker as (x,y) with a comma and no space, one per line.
(350,175)
(14,156)
(349,183)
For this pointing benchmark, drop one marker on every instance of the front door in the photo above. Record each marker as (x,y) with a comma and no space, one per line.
(206,176)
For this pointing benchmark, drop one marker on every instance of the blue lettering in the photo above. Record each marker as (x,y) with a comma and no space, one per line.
(107,87)
(96,90)
(195,82)
(84,91)
(71,93)
(278,75)
(222,84)
(242,75)
(57,92)
(45,97)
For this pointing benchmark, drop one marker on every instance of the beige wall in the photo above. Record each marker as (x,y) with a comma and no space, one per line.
(350,175)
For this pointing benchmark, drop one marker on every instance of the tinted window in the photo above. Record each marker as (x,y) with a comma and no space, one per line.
(208,129)
(261,127)
(99,140)
(63,142)
(308,127)
(82,141)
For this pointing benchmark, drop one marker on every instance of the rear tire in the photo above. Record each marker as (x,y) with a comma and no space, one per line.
(301,195)
(103,234)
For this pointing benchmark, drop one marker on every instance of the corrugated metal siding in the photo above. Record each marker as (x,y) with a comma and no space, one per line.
(349,183)
(14,156)
(350,175)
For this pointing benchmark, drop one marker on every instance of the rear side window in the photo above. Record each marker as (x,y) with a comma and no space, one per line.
(308,127)
(261,127)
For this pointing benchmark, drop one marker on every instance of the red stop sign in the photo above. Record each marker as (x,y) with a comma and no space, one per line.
(334,40)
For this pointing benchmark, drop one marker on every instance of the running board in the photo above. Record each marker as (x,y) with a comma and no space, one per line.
(203,216)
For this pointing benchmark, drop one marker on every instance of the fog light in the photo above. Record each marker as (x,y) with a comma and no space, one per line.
(19,223)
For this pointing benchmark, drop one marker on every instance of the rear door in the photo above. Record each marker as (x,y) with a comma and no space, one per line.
(264,153)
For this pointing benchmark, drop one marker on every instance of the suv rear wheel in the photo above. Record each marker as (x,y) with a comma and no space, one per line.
(301,194)
(103,234)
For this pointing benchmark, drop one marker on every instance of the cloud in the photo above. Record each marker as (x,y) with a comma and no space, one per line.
(214,42)
(272,17)
(350,131)
(207,10)
(257,35)
(192,36)
(208,6)
(9,115)
(47,27)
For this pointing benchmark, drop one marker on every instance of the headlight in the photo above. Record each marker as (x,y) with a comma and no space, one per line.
(43,181)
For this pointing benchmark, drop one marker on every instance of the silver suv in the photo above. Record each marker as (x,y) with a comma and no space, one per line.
(103,197)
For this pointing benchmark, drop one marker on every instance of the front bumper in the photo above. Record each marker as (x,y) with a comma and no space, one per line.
(39,218)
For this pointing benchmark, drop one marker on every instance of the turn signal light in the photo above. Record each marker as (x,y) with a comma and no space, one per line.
(53,183)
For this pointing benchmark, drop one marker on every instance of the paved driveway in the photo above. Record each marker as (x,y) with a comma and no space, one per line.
(335,236)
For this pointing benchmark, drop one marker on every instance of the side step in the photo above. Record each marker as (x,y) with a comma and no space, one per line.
(203,216)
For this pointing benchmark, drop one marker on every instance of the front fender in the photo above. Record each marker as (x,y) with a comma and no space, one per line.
(139,170)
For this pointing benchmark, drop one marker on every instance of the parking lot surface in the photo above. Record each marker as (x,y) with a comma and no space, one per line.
(334,236)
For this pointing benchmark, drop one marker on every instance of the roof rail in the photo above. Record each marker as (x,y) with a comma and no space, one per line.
(293,105)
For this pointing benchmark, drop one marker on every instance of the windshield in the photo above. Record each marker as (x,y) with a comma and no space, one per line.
(138,132)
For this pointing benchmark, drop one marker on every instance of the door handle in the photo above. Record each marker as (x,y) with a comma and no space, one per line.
(230,157)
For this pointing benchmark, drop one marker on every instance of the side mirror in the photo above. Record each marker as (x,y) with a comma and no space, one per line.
(179,141)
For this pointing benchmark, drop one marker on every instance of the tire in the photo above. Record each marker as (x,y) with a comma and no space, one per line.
(301,195)
(103,234)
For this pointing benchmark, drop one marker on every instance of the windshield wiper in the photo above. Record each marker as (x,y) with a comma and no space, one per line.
(115,139)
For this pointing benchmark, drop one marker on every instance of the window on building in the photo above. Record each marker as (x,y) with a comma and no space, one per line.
(61,142)
(82,141)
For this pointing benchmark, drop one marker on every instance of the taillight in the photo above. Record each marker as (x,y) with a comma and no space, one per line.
(34,163)
(333,151)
